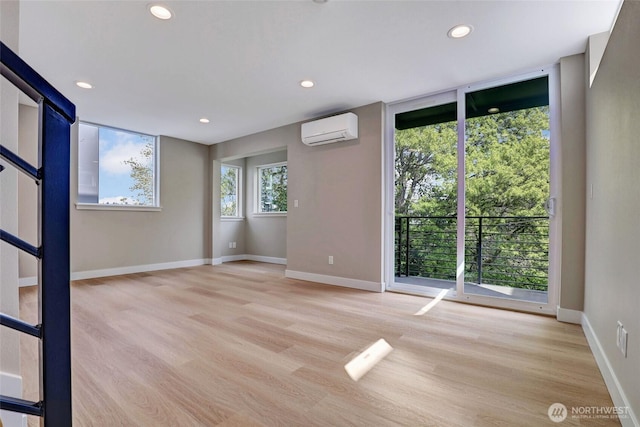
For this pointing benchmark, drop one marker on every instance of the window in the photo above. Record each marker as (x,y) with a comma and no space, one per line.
(116,167)
(272,188)
(230,191)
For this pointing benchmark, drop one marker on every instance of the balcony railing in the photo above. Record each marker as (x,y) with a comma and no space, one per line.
(505,251)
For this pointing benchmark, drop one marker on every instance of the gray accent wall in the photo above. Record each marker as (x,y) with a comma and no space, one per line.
(105,239)
(108,239)
(231,230)
(572,181)
(339,191)
(254,234)
(339,188)
(612,267)
(265,235)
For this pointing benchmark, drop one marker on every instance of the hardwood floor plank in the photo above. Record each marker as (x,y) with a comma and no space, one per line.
(241,345)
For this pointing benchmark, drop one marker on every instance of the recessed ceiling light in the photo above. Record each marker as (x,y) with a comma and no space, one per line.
(307,83)
(493,110)
(204,120)
(460,31)
(84,85)
(160,12)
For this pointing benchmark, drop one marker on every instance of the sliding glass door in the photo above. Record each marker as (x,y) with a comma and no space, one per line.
(507,186)
(426,196)
(472,186)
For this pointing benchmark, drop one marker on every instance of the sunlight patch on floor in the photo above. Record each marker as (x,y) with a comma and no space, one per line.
(432,304)
(365,361)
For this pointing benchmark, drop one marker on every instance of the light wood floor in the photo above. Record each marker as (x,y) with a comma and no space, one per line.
(241,345)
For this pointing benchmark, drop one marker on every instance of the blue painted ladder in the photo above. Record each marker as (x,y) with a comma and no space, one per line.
(56,114)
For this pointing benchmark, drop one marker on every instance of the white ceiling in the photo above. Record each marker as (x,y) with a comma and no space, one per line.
(239,63)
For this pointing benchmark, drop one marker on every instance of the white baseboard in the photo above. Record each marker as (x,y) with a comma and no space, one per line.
(249,257)
(27,281)
(613,385)
(91,274)
(267,259)
(335,281)
(232,258)
(11,385)
(569,316)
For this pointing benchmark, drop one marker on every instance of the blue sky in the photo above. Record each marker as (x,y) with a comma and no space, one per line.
(116,146)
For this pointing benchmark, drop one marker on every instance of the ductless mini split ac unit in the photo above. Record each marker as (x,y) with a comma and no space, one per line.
(342,127)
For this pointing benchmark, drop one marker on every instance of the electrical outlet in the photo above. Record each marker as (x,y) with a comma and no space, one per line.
(330,259)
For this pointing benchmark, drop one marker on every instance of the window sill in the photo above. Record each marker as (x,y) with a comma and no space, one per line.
(269,214)
(98,207)
(231,218)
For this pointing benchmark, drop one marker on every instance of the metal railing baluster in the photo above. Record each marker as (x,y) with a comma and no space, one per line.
(56,116)
(479,251)
(406,262)
(500,250)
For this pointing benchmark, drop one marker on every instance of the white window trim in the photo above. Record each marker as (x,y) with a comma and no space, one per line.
(232,218)
(269,214)
(103,207)
(238,216)
(258,199)
(156,207)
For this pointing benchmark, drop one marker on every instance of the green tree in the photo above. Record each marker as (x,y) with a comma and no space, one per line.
(506,175)
(507,163)
(425,163)
(142,175)
(273,189)
(229,191)
(426,187)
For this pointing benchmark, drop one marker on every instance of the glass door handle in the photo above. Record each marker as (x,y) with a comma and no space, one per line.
(550,206)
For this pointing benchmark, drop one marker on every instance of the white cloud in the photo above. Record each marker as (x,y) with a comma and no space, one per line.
(112,160)
(118,200)
(111,200)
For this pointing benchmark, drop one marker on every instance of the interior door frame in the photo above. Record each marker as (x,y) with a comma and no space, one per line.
(458,95)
